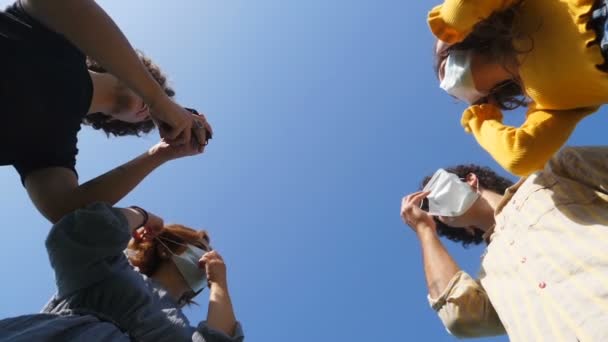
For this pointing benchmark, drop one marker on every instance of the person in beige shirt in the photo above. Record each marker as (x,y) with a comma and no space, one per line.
(544,274)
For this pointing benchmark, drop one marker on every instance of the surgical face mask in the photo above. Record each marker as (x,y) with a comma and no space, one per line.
(187,264)
(458,78)
(449,196)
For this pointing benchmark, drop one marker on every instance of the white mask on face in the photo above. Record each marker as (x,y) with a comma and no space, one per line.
(458,78)
(449,196)
(187,264)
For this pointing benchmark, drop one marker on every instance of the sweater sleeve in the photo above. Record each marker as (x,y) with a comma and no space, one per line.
(452,21)
(525,149)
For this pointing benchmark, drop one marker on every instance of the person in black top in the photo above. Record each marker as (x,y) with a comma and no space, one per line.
(49,87)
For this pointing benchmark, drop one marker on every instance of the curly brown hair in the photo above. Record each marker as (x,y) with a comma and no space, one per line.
(147,255)
(488,180)
(119,128)
(493,38)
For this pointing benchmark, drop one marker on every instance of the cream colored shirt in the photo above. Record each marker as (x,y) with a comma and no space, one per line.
(544,275)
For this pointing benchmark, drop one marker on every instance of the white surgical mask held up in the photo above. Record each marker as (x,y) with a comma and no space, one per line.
(449,196)
(458,78)
(187,264)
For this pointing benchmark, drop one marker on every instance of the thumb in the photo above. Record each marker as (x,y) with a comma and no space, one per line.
(169,133)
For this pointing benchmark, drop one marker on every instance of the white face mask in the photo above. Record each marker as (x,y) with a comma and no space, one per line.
(449,196)
(187,264)
(458,78)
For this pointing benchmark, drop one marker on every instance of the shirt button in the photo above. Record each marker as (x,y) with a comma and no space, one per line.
(542,285)
(523,260)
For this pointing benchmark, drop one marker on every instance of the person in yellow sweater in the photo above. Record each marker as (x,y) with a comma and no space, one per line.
(501,54)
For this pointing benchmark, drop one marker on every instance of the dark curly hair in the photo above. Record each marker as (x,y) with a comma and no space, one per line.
(489,180)
(120,128)
(493,38)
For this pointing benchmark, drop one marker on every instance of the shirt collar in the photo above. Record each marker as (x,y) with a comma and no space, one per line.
(506,198)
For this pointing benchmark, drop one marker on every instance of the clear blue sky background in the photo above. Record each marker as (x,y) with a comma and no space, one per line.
(325,114)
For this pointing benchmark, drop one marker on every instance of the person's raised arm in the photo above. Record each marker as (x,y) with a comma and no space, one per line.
(55,191)
(584,164)
(91,29)
(525,149)
(220,314)
(439,267)
(461,302)
(453,20)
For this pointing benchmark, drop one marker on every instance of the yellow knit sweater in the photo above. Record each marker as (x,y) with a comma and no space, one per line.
(559,74)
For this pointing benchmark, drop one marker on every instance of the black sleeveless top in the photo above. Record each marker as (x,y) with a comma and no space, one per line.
(45,91)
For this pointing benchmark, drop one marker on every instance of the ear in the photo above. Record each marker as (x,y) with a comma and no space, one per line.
(162,252)
(470,230)
(472,180)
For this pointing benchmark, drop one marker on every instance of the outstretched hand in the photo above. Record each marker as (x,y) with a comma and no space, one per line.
(201,129)
(173,121)
(170,152)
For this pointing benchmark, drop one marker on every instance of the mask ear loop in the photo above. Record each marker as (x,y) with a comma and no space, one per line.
(181,244)
(172,241)
(168,249)
(477,185)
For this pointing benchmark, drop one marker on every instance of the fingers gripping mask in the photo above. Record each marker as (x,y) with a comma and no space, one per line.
(449,196)
(187,264)
(458,78)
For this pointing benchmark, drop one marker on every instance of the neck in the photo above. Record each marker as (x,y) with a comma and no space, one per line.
(166,276)
(485,207)
(104,92)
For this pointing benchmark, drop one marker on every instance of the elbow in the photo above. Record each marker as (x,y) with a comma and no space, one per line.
(54,218)
(521,165)
(519,169)
(461,328)
(54,213)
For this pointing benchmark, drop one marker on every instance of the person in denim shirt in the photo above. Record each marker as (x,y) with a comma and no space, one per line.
(102,296)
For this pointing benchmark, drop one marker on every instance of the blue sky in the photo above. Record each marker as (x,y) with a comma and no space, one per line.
(325,114)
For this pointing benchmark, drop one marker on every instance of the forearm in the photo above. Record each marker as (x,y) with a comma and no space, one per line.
(525,149)
(112,186)
(220,314)
(88,27)
(55,200)
(439,267)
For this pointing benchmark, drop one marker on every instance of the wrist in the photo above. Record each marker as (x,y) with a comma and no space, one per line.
(134,218)
(425,231)
(144,215)
(153,95)
(159,155)
(219,287)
